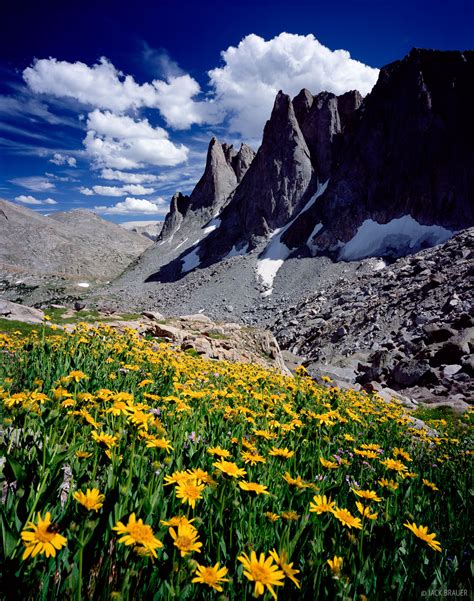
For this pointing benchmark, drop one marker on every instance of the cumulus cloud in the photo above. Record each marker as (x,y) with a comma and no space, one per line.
(104,87)
(135,206)
(176,101)
(253,72)
(101,85)
(62,159)
(118,141)
(35,183)
(116,190)
(31,200)
(128,178)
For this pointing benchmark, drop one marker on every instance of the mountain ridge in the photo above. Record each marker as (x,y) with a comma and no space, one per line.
(77,244)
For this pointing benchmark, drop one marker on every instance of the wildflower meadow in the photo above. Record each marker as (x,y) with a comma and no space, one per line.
(133,471)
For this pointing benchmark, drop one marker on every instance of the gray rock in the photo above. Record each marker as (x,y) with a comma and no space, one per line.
(16,312)
(156,315)
(409,373)
(77,244)
(438,333)
(467,364)
(450,370)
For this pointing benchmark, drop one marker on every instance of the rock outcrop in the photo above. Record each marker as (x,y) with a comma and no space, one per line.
(17,312)
(225,168)
(409,153)
(222,341)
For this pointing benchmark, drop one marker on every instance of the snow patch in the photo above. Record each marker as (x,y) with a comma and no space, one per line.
(191,260)
(212,225)
(379,265)
(235,252)
(396,238)
(276,252)
(83,284)
(181,243)
(310,244)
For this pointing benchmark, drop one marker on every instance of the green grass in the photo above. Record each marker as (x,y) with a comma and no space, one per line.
(58,316)
(8,326)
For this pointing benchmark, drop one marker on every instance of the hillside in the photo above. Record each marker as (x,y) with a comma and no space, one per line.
(77,244)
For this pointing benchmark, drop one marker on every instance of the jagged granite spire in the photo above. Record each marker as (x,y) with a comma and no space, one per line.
(224,169)
(323,125)
(279,178)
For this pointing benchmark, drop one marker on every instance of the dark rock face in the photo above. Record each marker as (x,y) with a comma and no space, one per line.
(225,168)
(173,220)
(409,151)
(218,181)
(241,161)
(323,126)
(276,186)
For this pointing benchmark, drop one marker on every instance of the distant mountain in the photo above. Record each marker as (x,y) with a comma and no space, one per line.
(340,177)
(77,244)
(149,229)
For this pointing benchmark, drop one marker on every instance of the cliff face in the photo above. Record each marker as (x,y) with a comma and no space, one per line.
(409,152)
(225,168)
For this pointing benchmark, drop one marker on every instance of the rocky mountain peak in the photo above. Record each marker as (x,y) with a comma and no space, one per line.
(323,124)
(242,160)
(302,103)
(217,182)
(407,156)
(225,168)
(276,185)
(174,218)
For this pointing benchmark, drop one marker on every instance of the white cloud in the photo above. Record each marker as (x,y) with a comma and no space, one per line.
(28,200)
(135,206)
(31,200)
(246,85)
(35,183)
(175,100)
(128,178)
(242,92)
(101,85)
(87,191)
(62,159)
(116,190)
(120,142)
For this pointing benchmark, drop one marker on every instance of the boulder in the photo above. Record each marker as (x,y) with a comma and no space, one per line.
(410,372)
(16,312)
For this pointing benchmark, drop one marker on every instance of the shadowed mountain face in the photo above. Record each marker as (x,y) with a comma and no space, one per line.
(76,244)
(225,168)
(410,153)
(339,176)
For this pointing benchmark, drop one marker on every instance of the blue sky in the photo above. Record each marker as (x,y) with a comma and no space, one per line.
(110,106)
